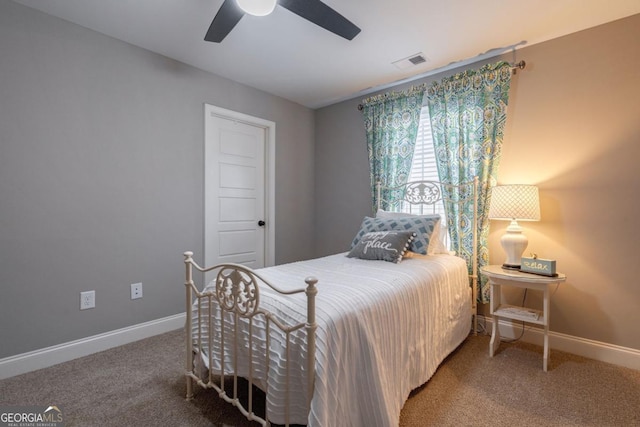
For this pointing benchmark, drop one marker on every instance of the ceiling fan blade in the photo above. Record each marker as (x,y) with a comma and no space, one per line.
(322,15)
(227,17)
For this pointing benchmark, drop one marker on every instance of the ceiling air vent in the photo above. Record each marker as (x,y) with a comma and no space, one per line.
(411,61)
(415,60)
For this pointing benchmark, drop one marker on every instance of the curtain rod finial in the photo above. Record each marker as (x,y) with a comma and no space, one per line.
(519,65)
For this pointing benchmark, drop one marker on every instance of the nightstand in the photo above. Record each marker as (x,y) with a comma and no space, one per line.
(499,277)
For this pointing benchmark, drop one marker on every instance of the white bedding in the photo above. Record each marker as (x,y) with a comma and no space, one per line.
(383,329)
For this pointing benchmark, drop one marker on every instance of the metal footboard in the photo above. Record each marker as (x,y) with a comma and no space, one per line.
(233,308)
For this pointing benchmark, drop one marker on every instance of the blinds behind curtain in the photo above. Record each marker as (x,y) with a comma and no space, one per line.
(424,167)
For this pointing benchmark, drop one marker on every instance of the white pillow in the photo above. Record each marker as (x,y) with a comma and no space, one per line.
(436,243)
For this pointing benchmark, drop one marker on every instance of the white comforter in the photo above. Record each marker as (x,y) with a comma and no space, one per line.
(383,329)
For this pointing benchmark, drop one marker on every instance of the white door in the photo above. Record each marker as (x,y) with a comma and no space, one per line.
(236,189)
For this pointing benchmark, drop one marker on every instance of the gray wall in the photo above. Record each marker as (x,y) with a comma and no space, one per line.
(573,129)
(101,177)
(342,188)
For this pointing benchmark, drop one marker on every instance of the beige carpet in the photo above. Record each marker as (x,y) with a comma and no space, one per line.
(141,384)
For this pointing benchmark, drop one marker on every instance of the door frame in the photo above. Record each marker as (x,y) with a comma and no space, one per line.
(269,178)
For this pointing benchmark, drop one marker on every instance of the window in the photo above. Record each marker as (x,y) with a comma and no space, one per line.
(424,168)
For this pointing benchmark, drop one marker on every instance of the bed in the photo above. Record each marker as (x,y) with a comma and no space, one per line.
(347,348)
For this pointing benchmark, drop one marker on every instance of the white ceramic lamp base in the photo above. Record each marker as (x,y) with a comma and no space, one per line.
(514,243)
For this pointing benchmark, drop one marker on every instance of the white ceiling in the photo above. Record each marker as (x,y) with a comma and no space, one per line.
(285,55)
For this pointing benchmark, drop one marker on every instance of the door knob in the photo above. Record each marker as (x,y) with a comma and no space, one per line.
(261,223)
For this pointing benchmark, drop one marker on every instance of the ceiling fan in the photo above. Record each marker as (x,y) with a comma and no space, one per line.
(314,11)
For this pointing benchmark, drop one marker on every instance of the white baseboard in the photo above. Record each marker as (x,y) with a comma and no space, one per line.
(610,353)
(43,358)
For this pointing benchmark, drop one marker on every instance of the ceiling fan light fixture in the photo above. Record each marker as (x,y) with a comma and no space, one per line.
(257,7)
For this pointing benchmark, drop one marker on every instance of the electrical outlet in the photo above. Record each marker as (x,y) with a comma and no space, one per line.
(87,300)
(136,290)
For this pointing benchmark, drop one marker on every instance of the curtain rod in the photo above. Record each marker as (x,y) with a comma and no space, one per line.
(514,67)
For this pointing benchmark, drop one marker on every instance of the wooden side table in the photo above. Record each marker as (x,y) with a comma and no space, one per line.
(499,277)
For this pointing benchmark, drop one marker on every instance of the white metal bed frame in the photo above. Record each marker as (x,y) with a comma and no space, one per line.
(237,292)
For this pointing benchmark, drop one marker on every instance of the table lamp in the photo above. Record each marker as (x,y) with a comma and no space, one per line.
(514,203)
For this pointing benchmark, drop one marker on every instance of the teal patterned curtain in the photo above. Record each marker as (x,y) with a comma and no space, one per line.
(391,122)
(468,113)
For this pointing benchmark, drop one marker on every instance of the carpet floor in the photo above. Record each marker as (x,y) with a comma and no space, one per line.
(142,384)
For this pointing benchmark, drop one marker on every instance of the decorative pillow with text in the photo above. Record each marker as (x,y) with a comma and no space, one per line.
(383,245)
(422,226)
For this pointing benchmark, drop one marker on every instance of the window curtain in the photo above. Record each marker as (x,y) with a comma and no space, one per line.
(468,114)
(391,123)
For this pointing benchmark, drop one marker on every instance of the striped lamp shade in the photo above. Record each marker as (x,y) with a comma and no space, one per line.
(515,202)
